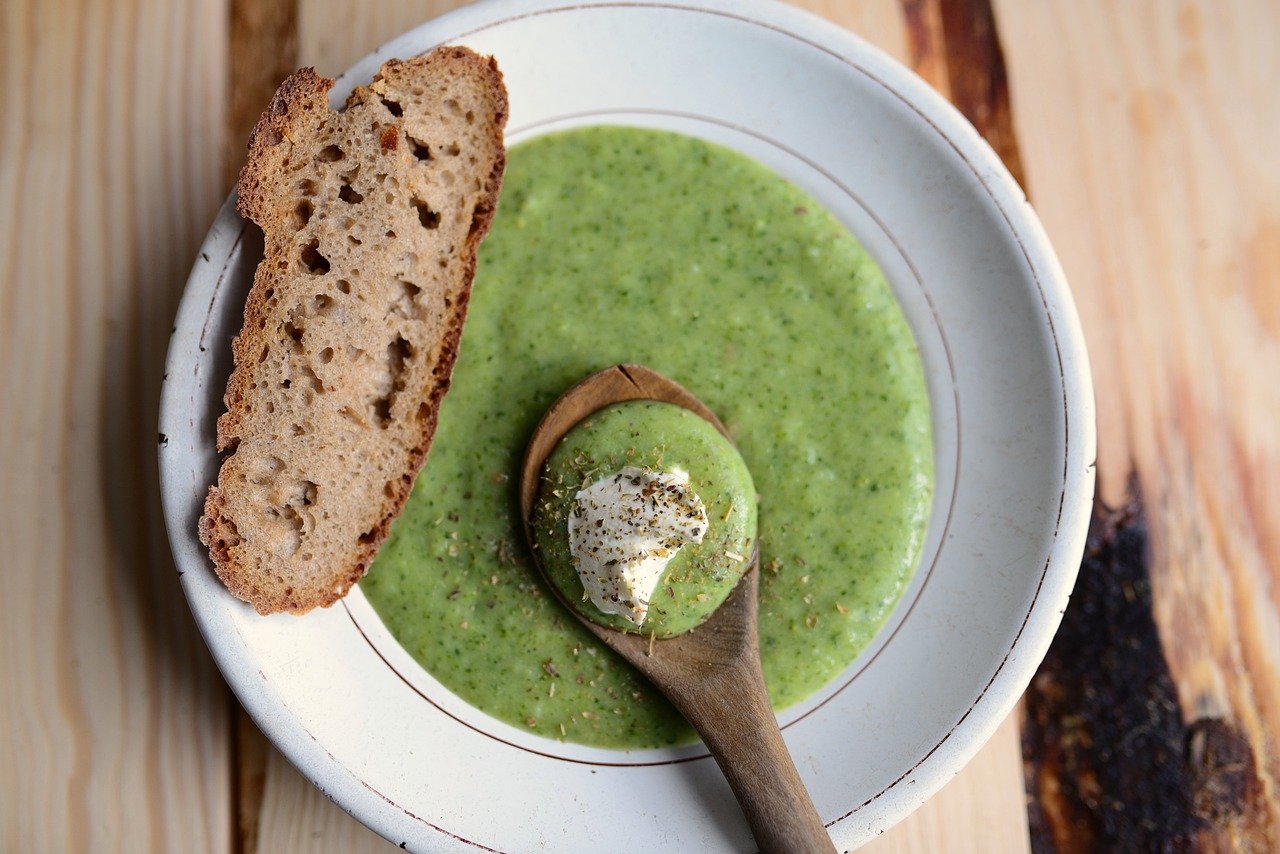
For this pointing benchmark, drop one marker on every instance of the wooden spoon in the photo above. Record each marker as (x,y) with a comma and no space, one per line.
(711,674)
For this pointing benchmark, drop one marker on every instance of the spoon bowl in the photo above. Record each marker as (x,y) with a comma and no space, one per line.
(712,673)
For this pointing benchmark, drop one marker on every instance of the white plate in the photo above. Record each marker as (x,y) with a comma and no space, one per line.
(1013,421)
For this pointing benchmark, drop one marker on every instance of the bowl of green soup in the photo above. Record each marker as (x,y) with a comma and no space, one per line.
(784,220)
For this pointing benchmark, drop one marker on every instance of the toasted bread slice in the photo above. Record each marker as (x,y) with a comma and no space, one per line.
(371,218)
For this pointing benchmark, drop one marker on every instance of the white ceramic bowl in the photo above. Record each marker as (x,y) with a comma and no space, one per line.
(1014,438)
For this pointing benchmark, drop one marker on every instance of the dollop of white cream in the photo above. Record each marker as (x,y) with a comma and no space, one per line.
(623,531)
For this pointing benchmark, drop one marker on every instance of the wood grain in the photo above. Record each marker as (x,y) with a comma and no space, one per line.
(333,34)
(881,22)
(262,50)
(1148,131)
(926,43)
(114,719)
(976,76)
(1103,725)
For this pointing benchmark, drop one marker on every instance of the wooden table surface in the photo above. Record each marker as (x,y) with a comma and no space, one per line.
(1147,133)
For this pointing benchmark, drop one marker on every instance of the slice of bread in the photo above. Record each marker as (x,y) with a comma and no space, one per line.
(371,217)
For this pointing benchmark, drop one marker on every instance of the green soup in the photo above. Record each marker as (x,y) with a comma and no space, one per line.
(620,245)
(658,437)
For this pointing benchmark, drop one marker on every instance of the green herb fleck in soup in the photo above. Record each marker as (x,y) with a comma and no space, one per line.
(620,245)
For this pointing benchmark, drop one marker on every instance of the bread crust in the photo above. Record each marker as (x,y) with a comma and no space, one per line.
(299,117)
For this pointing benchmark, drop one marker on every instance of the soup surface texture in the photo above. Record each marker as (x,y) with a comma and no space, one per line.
(617,245)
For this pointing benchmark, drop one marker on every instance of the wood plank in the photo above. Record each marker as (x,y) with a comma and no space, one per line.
(977,84)
(1148,132)
(114,718)
(926,43)
(881,22)
(984,804)
(262,52)
(333,34)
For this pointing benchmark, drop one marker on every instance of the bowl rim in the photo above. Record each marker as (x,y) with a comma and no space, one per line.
(1057,577)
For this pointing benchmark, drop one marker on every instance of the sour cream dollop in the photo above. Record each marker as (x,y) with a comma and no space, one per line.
(623,531)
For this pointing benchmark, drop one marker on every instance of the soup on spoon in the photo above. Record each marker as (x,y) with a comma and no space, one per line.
(646,518)
(708,663)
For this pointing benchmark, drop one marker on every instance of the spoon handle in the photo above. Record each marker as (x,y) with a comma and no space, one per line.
(732,713)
